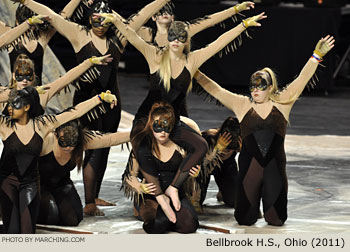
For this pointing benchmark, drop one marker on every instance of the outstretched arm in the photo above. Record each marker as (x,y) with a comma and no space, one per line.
(4,28)
(67,12)
(148,51)
(236,103)
(218,17)
(146,13)
(4,94)
(73,74)
(13,34)
(295,89)
(77,111)
(98,140)
(70,30)
(198,57)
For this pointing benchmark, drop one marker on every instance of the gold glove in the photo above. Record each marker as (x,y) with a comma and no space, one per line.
(144,187)
(36,20)
(41,89)
(241,7)
(108,17)
(223,141)
(108,97)
(322,48)
(18,1)
(96,60)
(252,21)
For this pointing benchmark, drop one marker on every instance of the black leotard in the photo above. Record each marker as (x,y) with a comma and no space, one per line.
(19,180)
(182,135)
(262,169)
(60,203)
(155,221)
(95,161)
(176,95)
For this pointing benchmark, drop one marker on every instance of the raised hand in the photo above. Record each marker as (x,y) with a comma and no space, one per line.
(324,45)
(243,6)
(108,97)
(103,60)
(108,17)
(223,141)
(39,19)
(194,172)
(252,21)
(41,89)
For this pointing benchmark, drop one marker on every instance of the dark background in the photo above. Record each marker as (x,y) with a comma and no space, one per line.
(284,42)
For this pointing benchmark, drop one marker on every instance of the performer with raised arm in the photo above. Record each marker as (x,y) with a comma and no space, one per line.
(24,76)
(97,39)
(9,35)
(22,134)
(263,119)
(62,151)
(34,41)
(171,71)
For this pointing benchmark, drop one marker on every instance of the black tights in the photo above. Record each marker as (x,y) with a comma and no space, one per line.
(226,180)
(95,164)
(156,221)
(60,206)
(19,205)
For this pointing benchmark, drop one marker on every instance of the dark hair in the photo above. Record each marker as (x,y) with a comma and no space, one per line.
(230,125)
(23,13)
(29,96)
(162,109)
(169,8)
(99,6)
(74,126)
(102,6)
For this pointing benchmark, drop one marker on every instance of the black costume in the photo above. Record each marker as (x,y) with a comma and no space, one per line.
(108,122)
(155,220)
(19,180)
(60,203)
(262,163)
(182,135)
(225,174)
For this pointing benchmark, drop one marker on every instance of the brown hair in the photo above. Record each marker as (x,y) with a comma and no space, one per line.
(163,110)
(21,59)
(74,128)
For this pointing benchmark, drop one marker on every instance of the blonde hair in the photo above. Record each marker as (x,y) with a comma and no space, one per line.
(274,94)
(165,63)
